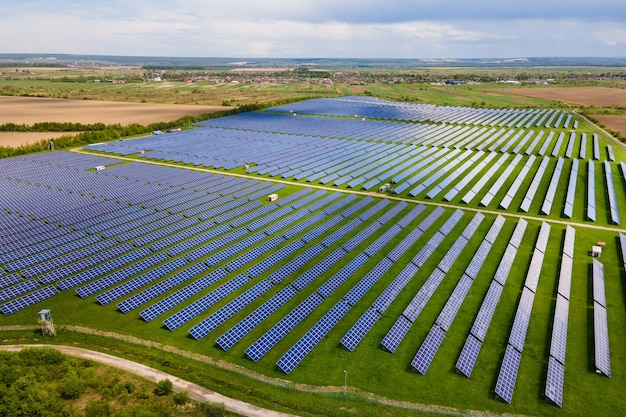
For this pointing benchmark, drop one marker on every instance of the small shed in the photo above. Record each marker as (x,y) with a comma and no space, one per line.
(272,197)
(596,251)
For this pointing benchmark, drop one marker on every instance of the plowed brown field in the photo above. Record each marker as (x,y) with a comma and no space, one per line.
(616,123)
(585,96)
(27,110)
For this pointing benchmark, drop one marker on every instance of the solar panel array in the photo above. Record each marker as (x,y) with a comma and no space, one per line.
(424,158)
(610,187)
(555,377)
(398,331)
(204,251)
(427,350)
(591,191)
(507,376)
(602,352)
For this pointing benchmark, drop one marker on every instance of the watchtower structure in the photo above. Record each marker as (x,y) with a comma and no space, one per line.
(46,323)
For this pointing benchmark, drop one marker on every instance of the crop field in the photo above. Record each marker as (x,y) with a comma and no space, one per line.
(424,254)
(584,96)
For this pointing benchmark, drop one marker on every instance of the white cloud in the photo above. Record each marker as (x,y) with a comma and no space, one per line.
(280,28)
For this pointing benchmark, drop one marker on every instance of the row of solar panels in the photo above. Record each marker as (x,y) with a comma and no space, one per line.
(505,384)
(262,287)
(555,377)
(380,109)
(600,322)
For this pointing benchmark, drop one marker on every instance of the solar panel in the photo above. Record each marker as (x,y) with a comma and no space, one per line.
(565,276)
(517,183)
(304,346)
(394,336)
(469,354)
(358,331)
(599,295)
(478,259)
(426,353)
(252,320)
(591,191)
(610,187)
(622,243)
(211,323)
(601,340)
(28,300)
(534,185)
(505,385)
(391,292)
(262,345)
(558,342)
(202,304)
(452,306)
(555,380)
(487,310)
(522,318)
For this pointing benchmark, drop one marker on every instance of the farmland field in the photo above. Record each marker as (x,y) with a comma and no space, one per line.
(584,96)
(191,256)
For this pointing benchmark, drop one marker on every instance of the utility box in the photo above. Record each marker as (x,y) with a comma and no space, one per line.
(272,197)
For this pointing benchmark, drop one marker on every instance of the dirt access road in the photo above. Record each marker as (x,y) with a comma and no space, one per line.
(196,392)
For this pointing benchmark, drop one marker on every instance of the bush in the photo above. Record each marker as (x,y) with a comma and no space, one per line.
(181,398)
(164,387)
(72,388)
(211,410)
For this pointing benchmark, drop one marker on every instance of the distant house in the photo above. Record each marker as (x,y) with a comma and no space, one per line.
(455,82)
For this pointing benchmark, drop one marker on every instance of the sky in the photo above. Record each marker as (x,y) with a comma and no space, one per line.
(316,28)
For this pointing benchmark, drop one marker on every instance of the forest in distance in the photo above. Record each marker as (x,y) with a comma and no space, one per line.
(49,59)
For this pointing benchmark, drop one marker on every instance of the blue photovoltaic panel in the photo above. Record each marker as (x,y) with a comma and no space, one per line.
(601,340)
(565,276)
(487,309)
(568,244)
(202,304)
(391,292)
(591,191)
(18,289)
(354,295)
(478,259)
(417,304)
(241,329)
(469,354)
(622,243)
(140,281)
(27,300)
(522,318)
(555,380)
(303,346)
(392,339)
(542,239)
(262,345)
(610,188)
(426,353)
(558,343)
(448,313)
(161,287)
(316,270)
(505,384)
(342,275)
(211,323)
(120,275)
(599,295)
(182,294)
(358,331)
(534,270)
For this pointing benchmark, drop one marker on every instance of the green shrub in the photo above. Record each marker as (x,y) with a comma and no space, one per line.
(164,387)
(181,398)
